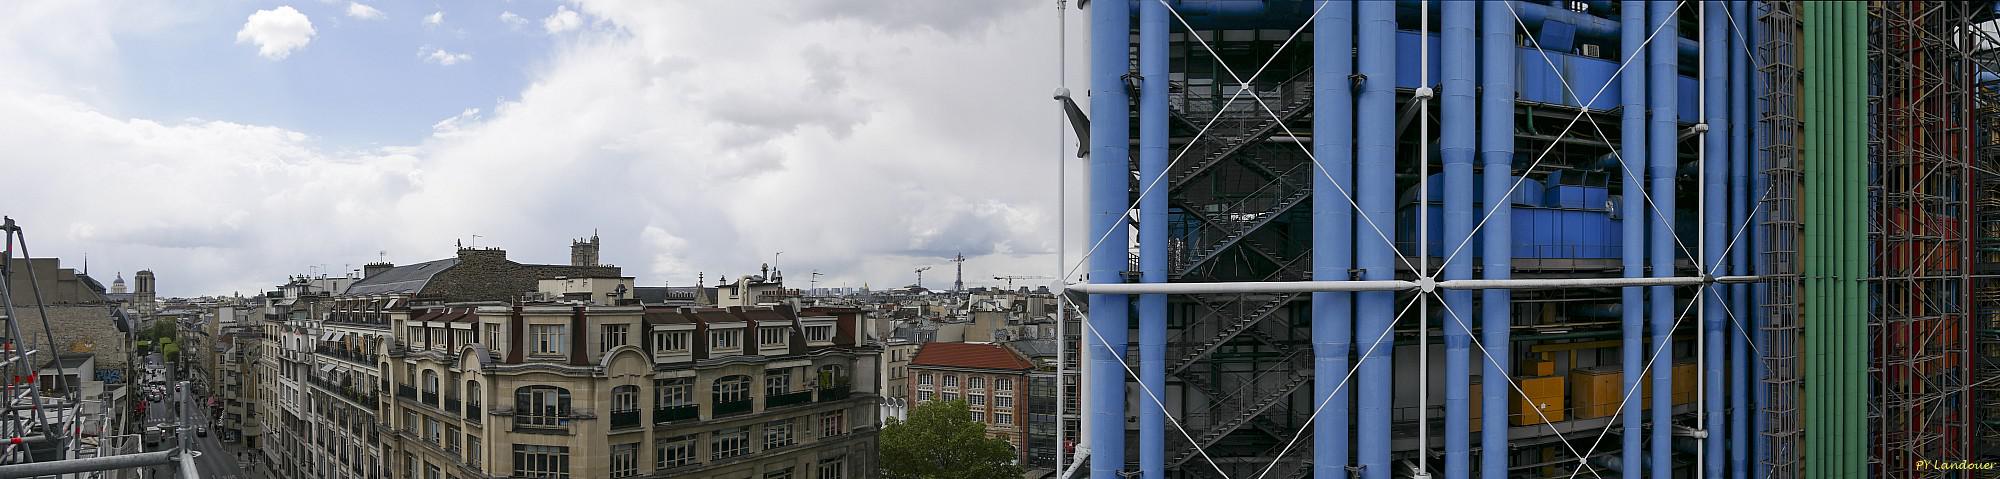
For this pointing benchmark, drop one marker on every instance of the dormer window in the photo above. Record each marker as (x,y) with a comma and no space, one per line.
(725,339)
(819,334)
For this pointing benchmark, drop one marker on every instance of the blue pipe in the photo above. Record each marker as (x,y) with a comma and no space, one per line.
(1153,29)
(1496,149)
(1663,71)
(1632,147)
(1715,226)
(1456,115)
(1739,261)
(1332,313)
(1759,242)
(1110,154)
(1375,191)
(1536,15)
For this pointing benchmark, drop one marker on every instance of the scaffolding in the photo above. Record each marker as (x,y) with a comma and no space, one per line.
(1919,324)
(1779,55)
(1986,257)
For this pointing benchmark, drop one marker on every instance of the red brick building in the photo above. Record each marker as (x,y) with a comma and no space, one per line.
(991,379)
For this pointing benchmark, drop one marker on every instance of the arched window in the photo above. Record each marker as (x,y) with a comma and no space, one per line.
(732,389)
(472,393)
(430,381)
(541,406)
(625,399)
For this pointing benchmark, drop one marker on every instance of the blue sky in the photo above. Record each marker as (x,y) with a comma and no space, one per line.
(225,145)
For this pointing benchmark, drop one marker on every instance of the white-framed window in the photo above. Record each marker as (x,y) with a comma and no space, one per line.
(978,416)
(674,392)
(671,341)
(463,336)
(777,381)
(832,423)
(1003,384)
(541,406)
(625,398)
(496,340)
(777,434)
(951,380)
(975,382)
(975,400)
(833,467)
(625,460)
(613,336)
(1003,402)
(819,334)
(473,454)
(417,336)
(950,396)
(730,443)
(725,341)
(924,396)
(674,452)
(541,462)
(1003,418)
(732,389)
(772,336)
(923,379)
(548,338)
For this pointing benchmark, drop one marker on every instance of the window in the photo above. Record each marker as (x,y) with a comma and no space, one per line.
(433,472)
(463,336)
(495,340)
(671,341)
(674,392)
(923,379)
(473,455)
(674,452)
(625,398)
(833,423)
(434,430)
(833,467)
(771,336)
(785,473)
(548,338)
(1003,402)
(430,382)
(625,460)
(923,396)
(614,336)
(541,462)
(979,416)
(975,382)
(730,443)
(777,434)
(541,406)
(732,389)
(975,400)
(1003,384)
(437,339)
(416,336)
(451,438)
(725,341)
(409,421)
(410,465)
(819,334)
(951,380)
(1003,418)
(777,381)
(950,396)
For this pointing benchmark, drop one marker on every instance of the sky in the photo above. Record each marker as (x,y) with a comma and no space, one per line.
(225,145)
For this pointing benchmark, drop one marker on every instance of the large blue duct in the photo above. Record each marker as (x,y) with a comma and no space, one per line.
(1662,72)
(1496,149)
(1332,313)
(1739,259)
(1456,145)
(1375,191)
(1632,148)
(1110,157)
(1714,228)
(1153,236)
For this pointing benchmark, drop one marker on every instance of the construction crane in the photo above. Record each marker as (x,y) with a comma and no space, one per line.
(920,275)
(1010,279)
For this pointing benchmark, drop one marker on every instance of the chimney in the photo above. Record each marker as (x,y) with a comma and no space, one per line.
(371,269)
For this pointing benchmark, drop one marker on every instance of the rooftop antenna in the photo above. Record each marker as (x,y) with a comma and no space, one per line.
(475,241)
(382,256)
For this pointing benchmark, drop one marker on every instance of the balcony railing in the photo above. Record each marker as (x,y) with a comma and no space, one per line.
(365,359)
(472,412)
(451,405)
(834,392)
(406,392)
(431,398)
(732,408)
(625,419)
(676,413)
(788,399)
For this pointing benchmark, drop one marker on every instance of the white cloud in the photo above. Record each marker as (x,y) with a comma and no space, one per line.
(512,20)
(440,56)
(562,21)
(434,19)
(276,32)
(364,12)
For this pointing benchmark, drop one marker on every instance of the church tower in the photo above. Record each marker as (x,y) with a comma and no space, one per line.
(582,252)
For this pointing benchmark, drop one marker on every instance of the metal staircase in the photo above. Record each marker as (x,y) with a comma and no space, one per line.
(1235,325)
(1261,399)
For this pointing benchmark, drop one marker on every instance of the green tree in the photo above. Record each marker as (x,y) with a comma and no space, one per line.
(941,441)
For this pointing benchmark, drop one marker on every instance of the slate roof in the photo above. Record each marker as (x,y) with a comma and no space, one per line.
(971,356)
(408,279)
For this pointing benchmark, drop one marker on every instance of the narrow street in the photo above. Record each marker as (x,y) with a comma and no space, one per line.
(216,460)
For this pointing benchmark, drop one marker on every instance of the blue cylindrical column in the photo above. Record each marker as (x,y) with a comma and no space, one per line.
(1456,145)
(1496,151)
(1740,256)
(1632,149)
(1110,154)
(1662,74)
(1375,192)
(1333,221)
(1714,232)
(1153,236)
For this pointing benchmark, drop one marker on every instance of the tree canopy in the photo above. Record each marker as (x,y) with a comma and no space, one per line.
(940,441)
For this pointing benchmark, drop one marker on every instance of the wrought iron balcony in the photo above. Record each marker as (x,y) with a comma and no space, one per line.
(472,412)
(406,392)
(676,413)
(451,405)
(430,398)
(732,408)
(625,419)
(834,392)
(788,399)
